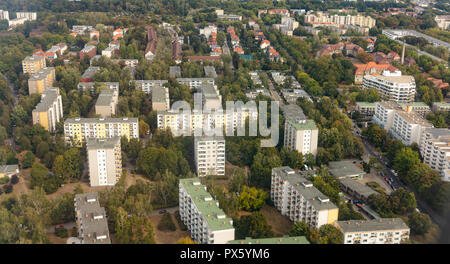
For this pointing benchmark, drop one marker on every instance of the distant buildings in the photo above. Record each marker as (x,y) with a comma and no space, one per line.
(104,160)
(287,26)
(435,150)
(373,68)
(41,80)
(347,49)
(21,18)
(89,73)
(378,231)
(8,170)
(174,71)
(201,214)
(210,72)
(443,22)
(401,89)
(158,92)
(209,155)
(91,221)
(4,15)
(300,134)
(207,31)
(49,111)
(152,41)
(202,59)
(32,64)
(296,197)
(107,103)
(227,17)
(439,106)
(399,33)
(195,83)
(318,18)
(88,51)
(177,52)
(77,130)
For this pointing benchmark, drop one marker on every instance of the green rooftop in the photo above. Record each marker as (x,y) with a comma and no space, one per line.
(415,104)
(442,104)
(308,125)
(273,240)
(367,104)
(206,205)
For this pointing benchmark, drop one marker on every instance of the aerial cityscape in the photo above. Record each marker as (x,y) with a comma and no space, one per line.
(225,122)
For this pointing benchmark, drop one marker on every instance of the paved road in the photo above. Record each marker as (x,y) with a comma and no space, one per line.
(275,95)
(420,52)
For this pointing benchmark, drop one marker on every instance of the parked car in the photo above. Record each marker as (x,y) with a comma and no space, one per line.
(163,211)
(386,179)
(356,202)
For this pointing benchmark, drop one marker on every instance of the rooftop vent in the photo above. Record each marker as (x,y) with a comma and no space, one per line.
(196,183)
(323,200)
(208,199)
(289,171)
(307,185)
(221,217)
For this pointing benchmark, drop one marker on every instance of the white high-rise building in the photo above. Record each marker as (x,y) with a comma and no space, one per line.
(400,89)
(435,150)
(49,111)
(296,197)
(300,134)
(202,215)
(377,231)
(408,126)
(210,155)
(28,15)
(105,161)
(4,15)
(384,114)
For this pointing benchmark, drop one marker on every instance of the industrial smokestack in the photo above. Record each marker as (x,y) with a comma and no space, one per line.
(403,52)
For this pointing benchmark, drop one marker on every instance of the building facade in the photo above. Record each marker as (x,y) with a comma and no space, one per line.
(32,64)
(378,231)
(106,103)
(435,150)
(400,89)
(41,80)
(104,160)
(300,134)
(210,155)
(49,111)
(77,130)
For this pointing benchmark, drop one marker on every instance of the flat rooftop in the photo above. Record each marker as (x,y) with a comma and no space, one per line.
(305,187)
(103,120)
(48,98)
(102,143)
(344,169)
(382,224)
(357,187)
(206,205)
(293,112)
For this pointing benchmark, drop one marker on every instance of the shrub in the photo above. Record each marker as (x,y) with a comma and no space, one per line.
(8,188)
(166,223)
(180,223)
(14,179)
(61,232)
(4,180)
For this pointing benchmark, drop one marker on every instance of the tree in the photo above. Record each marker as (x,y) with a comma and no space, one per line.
(14,179)
(422,177)
(330,235)
(73,164)
(28,160)
(58,168)
(419,223)
(299,229)
(254,226)
(40,177)
(186,240)
(401,201)
(251,199)
(42,149)
(405,160)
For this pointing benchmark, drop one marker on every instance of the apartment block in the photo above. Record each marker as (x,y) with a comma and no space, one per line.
(401,89)
(175,71)
(104,160)
(28,15)
(420,108)
(91,219)
(202,215)
(313,17)
(147,85)
(85,86)
(187,123)
(300,134)
(366,109)
(210,155)
(296,197)
(4,15)
(384,114)
(435,150)
(160,98)
(196,82)
(441,106)
(32,64)
(377,231)
(372,68)
(408,126)
(210,71)
(49,110)
(89,73)
(443,22)
(107,103)
(77,130)
(211,98)
(41,80)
